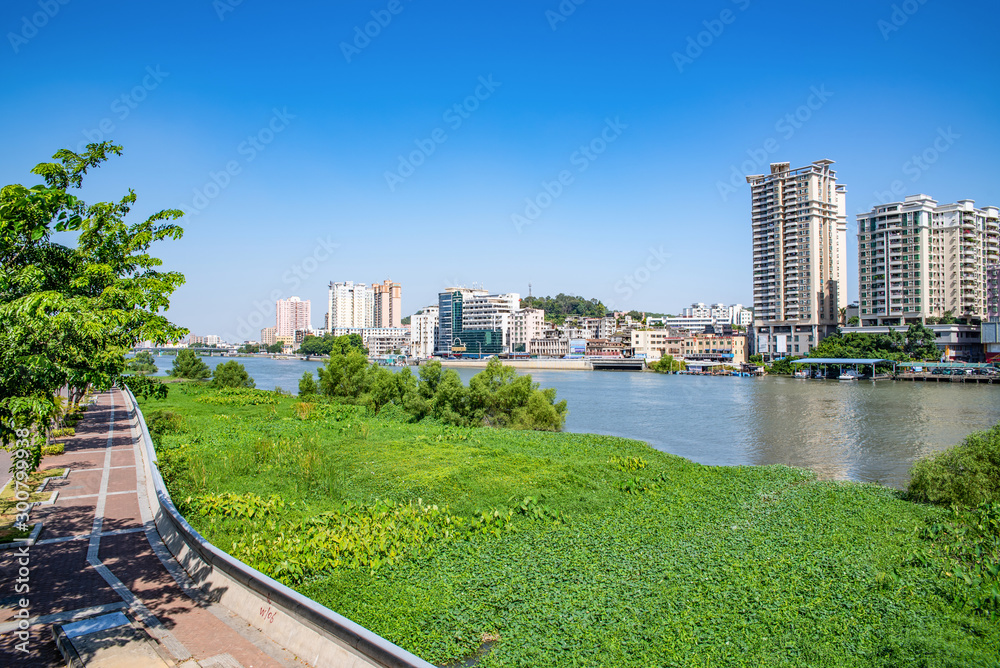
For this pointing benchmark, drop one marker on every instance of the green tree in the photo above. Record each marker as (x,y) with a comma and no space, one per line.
(307,385)
(70,314)
(667,364)
(921,343)
(187,364)
(853,321)
(249,349)
(142,363)
(276,347)
(231,374)
(948,318)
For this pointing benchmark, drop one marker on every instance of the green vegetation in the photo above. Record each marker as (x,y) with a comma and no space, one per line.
(231,374)
(495,397)
(143,363)
(667,364)
(329,344)
(574,549)
(188,365)
(249,349)
(915,343)
(307,384)
(558,308)
(71,313)
(967,474)
(275,348)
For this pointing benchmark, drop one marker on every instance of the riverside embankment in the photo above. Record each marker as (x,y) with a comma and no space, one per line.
(546,549)
(843,431)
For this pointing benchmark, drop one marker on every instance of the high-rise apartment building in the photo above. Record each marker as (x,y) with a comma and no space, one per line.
(293,315)
(350,305)
(387,304)
(918,259)
(993,292)
(799,256)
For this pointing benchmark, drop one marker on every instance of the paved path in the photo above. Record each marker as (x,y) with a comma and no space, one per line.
(99,551)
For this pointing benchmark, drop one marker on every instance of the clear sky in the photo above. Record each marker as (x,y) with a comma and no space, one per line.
(596,148)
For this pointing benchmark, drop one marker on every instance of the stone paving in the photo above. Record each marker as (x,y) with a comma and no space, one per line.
(94,556)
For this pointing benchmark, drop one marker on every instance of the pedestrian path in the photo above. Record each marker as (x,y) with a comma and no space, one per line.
(99,553)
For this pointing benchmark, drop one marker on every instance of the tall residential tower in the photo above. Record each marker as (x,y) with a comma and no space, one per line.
(799,256)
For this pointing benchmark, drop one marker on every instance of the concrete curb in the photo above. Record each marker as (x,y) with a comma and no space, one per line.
(313,632)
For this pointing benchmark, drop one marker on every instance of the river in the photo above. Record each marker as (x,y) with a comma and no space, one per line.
(857,430)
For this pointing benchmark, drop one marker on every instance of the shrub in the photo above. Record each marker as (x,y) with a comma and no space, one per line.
(65,431)
(54,449)
(188,365)
(967,474)
(239,396)
(232,374)
(163,422)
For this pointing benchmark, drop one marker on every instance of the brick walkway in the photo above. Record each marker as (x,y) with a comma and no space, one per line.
(94,556)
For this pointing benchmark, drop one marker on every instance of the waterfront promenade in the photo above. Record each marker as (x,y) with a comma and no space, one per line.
(100,552)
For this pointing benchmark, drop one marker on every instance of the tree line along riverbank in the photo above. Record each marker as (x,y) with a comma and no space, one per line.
(551,549)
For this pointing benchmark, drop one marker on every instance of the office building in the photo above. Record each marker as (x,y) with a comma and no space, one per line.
(799,231)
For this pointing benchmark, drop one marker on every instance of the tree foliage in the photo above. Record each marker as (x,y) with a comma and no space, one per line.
(276,347)
(667,364)
(188,364)
(231,374)
(329,344)
(966,475)
(71,313)
(307,385)
(496,397)
(142,363)
(917,343)
(558,308)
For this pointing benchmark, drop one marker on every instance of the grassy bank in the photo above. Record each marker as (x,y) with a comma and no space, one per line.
(550,549)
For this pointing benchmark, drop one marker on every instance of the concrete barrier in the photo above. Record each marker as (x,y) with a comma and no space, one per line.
(309,630)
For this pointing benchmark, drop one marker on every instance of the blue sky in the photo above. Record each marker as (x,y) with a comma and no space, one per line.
(307,151)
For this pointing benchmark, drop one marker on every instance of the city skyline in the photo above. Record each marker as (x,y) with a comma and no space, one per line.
(588,149)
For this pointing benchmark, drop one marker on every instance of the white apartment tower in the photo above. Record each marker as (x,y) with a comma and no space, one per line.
(799,256)
(350,305)
(292,314)
(918,259)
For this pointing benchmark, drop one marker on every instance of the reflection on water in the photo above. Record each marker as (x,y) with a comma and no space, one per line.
(855,430)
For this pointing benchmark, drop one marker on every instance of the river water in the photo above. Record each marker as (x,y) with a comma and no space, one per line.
(856,430)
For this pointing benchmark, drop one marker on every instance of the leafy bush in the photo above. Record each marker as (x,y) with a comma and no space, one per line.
(239,396)
(307,384)
(188,365)
(161,423)
(65,431)
(967,474)
(969,547)
(146,387)
(53,449)
(231,374)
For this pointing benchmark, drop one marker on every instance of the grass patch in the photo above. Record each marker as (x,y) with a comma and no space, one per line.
(571,549)
(8,501)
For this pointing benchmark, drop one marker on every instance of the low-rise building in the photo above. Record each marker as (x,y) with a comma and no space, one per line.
(957,342)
